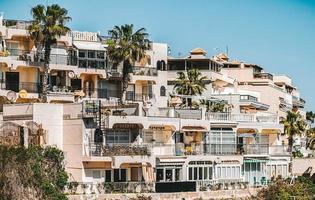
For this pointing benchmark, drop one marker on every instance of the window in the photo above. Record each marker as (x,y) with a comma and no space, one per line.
(82,54)
(91,54)
(108,175)
(96,174)
(162,91)
(159,175)
(120,175)
(169,175)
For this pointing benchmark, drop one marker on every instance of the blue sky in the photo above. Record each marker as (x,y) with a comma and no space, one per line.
(278,35)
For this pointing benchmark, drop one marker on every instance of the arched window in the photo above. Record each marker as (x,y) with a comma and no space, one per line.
(163,65)
(158,65)
(162,91)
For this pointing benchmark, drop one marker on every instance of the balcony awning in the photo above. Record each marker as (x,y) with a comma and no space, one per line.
(159,127)
(82,45)
(127,126)
(194,129)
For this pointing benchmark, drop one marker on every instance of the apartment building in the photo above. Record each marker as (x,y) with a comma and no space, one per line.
(152,142)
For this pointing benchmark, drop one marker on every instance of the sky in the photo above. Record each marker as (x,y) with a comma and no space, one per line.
(278,35)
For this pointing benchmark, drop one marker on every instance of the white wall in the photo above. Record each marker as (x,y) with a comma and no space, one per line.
(51,117)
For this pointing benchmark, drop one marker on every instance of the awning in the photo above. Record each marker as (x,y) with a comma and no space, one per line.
(127,126)
(82,45)
(159,127)
(194,129)
(246,135)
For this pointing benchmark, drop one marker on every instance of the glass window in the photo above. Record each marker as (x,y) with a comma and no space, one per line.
(223,174)
(91,54)
(210,173)
(169,175)
(159,175)
(100,55)
(82,54)
(237,172)
(200,173)
(177,174)
(190,174)
(96,174)
(219,172)
(195,173)
(123,175)
(108,176)
(205,173)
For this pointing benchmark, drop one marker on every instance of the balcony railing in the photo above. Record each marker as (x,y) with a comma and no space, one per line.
(241,117)
(30,87)
(102,93)
(132,96)
(248,98)
(263,76)
(144,71)
(99,149)
(181,149)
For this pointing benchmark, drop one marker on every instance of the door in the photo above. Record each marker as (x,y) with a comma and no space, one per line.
(12,81)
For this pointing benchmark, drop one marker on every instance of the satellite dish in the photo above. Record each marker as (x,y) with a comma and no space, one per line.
(23,93)
(71,74)
(11,95)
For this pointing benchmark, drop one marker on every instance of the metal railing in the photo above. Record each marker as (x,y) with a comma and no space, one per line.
(30,87)
(99,149)
(132,96)
(144,71)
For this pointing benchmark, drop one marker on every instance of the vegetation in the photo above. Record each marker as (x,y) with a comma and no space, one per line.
(126,46)
(302,189)
(294,125)
(215,106)
(32,173)
(48,24)
(310,116)
(190,83)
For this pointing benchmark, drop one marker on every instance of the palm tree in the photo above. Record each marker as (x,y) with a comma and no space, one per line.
(190,83)
(48,24)
(311,138)
(294,125)
(126,46)
(310,116)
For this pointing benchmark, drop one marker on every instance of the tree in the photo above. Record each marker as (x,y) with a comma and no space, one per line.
(190,83)
(48,24)
(294,125)
(32,173)
(310,116)
(302,189)
(126,46)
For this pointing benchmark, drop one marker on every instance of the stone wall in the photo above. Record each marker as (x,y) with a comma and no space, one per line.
(209,195)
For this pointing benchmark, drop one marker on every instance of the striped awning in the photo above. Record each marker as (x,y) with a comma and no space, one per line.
(161,127)
(194,129)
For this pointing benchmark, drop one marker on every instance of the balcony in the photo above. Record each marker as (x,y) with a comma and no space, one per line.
(144,71)
(242,117)
(99,149)
(263,75)
(30,87)
(132,96)
(251,101)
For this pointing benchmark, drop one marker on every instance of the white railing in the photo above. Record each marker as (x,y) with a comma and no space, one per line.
(241,117)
